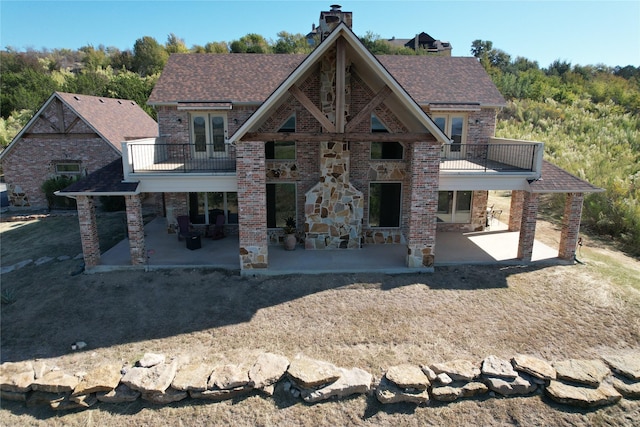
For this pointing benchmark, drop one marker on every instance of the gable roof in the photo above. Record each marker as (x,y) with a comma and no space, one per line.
(251,78)
(115,120)
(367,64)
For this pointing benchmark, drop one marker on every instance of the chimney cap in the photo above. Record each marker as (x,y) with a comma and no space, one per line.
(335,8)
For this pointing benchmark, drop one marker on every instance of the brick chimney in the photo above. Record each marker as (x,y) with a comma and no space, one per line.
(331,19)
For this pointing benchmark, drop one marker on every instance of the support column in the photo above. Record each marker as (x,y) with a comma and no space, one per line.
(528,226)
(252,205)
(88,231)
(421,236)
(515,210)
(570,226)
(135,228)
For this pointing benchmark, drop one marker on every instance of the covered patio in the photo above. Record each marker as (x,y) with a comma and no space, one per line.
(164,251)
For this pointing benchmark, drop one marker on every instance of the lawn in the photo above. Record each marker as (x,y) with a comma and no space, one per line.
(365,320)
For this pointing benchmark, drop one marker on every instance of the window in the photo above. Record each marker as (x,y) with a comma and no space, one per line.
(282,150)
(387,150)
(205,207)
(68,169)
(281,203)
(453,126)
(384,204)
(454,206)
(208,134)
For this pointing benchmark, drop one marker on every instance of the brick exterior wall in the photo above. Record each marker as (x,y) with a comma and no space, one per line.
(528,226)
(570,226)
(252,205)
(421,237)
(88,231)
(32,160)
(515,210)
(135,228)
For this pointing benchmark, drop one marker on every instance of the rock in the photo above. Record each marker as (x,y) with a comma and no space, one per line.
(493,366)
(16,377)
(66,404)
(428,372)
(444,379)
(155,379)
(121,394)
(170,395)
(55,382)
(388,392)
(84,400)
(626,363)
(218,395)
(43,260)
(268,369)
(193,376)
(509,387)
(63,258)
(351,381)
(458,370)
(40,398)
(39,369)
(103,378)
(534,366)
(408,376)
(473,389)
(12,395)
(446,393)
(589,372)
(310,373)
(585,397)
(150,359)
(228,376)
(627,388)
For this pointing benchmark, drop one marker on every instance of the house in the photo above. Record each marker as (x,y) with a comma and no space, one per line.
(423,41)
(360,150)
(70,135)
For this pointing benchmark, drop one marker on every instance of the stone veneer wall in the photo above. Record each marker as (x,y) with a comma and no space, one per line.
(586,383)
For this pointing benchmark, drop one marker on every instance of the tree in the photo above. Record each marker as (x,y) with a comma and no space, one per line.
(291,43)
(216,47)
(175,45)
(94,59)
(480,48)
(375,44)
(149,56)
(251,43)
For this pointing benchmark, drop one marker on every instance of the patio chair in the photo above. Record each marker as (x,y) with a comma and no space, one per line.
(218,229)
(184,227)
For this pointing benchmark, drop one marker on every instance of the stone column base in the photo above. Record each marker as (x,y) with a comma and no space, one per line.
(253,257)
(419,256)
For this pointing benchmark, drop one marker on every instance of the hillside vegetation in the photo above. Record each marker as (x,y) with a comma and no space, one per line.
(587,116)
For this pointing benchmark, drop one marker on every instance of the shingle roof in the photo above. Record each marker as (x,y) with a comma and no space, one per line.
(106,180)
(116,120)
(252,78)
(556,180)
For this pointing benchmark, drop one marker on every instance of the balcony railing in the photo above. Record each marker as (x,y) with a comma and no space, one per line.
(497,156)
(147,156)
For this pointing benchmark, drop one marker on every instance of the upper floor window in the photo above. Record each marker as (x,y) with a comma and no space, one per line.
(282,150)
(453,125)
(69,169)
(384,150)
(209,134)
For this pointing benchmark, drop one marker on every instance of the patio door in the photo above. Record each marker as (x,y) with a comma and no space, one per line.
(208,135)
(453,126)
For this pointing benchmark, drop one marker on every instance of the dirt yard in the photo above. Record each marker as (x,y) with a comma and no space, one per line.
(365,321)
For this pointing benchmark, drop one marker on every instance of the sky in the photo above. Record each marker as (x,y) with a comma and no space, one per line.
(579,32)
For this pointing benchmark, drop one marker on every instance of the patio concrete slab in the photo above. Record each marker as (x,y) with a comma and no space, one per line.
(497,246)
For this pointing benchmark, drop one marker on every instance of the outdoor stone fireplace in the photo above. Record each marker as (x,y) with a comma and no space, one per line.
(333,207)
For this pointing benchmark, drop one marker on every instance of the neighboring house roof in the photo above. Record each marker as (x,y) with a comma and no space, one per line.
(107,181)
(251,78)
(556,180)
(115,120)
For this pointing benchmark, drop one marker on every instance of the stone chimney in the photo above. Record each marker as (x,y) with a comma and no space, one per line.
(331,19)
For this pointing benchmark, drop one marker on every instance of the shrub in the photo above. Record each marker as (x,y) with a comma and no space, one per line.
(56,183)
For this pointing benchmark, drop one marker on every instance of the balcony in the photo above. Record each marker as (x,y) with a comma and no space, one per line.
(498,156)
(154,156)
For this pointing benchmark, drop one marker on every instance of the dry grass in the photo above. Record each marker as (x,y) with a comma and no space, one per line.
(367,321)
